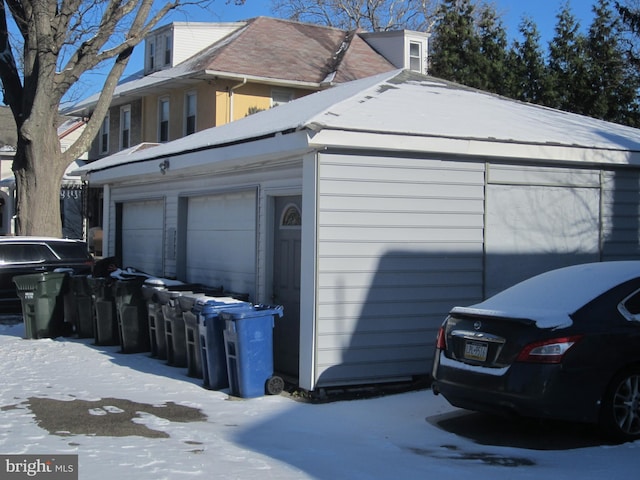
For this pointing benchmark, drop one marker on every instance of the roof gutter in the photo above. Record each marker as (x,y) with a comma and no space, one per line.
(258,79)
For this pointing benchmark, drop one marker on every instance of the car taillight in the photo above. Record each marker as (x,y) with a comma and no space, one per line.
(441,343)
(548,351)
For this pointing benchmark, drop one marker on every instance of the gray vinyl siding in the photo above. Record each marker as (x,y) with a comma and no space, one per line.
(399,243)
(620,215)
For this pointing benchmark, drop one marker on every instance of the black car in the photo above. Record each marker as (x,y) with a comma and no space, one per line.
(562,345)
(26,255)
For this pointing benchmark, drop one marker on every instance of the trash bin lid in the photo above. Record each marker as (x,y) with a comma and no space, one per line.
(254,311)
(207,301)
(207,305)
(188,299)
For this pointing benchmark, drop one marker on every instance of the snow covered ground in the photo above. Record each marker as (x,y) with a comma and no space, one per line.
(134,417)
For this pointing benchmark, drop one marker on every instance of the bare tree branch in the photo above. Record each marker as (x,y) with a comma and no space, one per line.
(372,15)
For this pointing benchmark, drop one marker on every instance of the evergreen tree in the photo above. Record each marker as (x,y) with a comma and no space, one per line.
(630,14)
(455,44)
(528,80)
(566,66)
(613,93)
(492,69)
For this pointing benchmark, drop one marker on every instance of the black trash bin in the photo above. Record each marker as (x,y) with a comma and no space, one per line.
(184,307)
(83,303)
(104,305)
(131,312)
(157,343)
(41,295)
(174,330)
(69,301)
(211,332)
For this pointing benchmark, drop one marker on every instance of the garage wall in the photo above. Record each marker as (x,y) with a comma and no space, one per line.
(399,243)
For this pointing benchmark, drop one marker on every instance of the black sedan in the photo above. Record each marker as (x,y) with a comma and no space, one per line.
(562,345)
(28,255)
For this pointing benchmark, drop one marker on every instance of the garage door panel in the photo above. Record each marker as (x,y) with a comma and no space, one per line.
(142,236)
(221,240)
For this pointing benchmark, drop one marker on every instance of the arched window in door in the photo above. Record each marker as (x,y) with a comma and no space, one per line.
(291,217)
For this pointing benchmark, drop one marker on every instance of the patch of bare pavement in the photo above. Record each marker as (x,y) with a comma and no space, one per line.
(105,417)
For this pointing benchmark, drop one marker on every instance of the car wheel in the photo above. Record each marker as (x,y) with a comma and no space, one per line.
(620,414)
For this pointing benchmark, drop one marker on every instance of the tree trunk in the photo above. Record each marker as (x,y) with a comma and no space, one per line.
(38,167)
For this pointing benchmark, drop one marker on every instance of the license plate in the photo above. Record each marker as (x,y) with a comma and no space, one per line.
(475,351)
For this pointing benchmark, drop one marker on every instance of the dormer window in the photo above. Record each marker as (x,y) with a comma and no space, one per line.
(415,56)
(167,50)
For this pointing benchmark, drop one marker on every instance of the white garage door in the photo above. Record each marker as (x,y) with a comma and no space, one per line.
(221,241)
(142,236)
(532,229)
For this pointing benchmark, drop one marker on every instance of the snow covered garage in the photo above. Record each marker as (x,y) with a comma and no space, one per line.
(370,209)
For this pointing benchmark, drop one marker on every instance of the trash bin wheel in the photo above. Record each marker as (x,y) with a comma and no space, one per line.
(275,385)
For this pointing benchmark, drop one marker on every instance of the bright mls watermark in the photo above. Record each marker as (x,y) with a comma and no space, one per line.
(51,467)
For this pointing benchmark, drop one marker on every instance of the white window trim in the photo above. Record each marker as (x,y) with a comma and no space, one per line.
(123,111)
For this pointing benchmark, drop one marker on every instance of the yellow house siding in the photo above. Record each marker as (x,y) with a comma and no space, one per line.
(215,101)
(245,99)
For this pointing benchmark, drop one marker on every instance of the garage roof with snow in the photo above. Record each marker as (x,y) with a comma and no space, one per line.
(415,106)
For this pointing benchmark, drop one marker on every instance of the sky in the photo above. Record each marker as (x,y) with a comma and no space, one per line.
(543,12)
(133,417)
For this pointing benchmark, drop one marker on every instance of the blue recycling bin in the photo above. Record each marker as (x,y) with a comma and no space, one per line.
(248,341)
(211,334)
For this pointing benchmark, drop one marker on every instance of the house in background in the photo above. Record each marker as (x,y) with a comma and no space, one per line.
(202,75)
(72,191)
(371,209)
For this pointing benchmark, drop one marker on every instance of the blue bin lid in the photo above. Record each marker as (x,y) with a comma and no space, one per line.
(254,311)
(206,304)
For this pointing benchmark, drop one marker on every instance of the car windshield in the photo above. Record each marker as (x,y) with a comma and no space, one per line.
(550,298)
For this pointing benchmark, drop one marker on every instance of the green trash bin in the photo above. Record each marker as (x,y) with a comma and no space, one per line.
(42,303)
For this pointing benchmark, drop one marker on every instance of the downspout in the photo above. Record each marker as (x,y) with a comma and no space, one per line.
(231,90)
(106,221)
